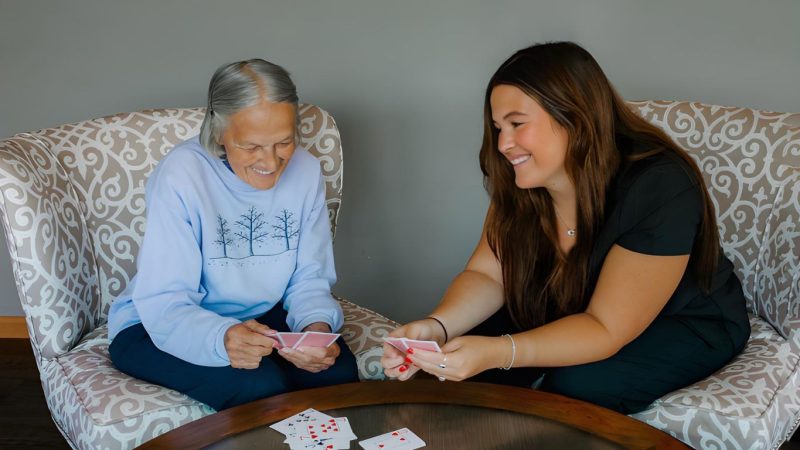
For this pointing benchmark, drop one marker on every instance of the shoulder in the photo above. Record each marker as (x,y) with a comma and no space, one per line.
(183,164)
(303,170)
(645,185)
(184,157)
(306,163)
(656,178)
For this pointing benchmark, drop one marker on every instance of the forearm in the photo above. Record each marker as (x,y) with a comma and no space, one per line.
(471,298)
(575,339)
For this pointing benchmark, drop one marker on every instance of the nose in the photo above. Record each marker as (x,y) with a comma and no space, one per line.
(505,141)
(269,158)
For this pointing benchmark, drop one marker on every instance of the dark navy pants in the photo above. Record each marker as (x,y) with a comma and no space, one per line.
(668,355)
(134,353)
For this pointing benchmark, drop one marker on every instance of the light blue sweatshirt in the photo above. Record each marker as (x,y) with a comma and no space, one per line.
(218,251)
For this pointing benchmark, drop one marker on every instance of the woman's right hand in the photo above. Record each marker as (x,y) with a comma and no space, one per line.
(247,342)
(394,362)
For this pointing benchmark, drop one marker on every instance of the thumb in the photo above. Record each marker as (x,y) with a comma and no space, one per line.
(453,345)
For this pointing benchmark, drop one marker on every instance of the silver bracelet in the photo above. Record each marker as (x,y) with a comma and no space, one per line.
(513,353)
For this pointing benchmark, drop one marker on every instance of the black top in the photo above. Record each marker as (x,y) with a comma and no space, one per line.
(654,206)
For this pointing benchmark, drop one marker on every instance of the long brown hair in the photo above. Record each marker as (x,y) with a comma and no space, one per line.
(540,283)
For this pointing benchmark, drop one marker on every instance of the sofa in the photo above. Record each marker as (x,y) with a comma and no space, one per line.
(72,208)
(72,200)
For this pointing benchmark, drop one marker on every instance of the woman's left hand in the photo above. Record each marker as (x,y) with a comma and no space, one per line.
(312,359)
(462,358)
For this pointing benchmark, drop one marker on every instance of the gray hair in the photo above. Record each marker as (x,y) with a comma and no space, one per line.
(236,86)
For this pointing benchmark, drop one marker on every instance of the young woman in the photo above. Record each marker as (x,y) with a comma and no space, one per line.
(599,265)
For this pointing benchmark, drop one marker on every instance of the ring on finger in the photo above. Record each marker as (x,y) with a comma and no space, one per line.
(443,364)
(442,378)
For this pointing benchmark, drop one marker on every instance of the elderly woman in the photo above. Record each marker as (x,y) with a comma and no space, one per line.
(237,247)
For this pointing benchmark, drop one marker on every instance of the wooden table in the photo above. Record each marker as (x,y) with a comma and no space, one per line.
(445,415)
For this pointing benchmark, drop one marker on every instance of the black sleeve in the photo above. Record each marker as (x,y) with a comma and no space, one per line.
(662,211)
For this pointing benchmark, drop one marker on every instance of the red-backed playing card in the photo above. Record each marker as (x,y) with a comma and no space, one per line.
(430,346)
(317,339)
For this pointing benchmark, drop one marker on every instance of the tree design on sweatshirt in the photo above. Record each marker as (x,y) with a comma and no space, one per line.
(224,235)
(285,229)
(252,230)
(251,227)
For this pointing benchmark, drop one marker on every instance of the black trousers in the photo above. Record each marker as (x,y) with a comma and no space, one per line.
(134,353)
(667,356)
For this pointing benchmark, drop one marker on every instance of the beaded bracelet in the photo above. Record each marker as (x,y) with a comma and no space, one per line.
(513,352)
(440,323)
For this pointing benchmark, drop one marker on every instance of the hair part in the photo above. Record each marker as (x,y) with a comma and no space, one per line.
(237,86)
(540,282)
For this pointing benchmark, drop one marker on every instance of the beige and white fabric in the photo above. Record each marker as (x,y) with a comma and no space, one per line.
(751,163)
(72,199)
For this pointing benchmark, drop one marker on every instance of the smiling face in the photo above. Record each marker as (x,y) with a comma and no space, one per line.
(259,141)
(529,139)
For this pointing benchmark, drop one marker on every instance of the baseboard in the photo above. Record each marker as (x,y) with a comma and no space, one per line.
(13,327)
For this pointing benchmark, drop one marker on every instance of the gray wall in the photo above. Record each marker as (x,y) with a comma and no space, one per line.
(404,80)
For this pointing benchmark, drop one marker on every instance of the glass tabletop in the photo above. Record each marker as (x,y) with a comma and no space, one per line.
(441,426)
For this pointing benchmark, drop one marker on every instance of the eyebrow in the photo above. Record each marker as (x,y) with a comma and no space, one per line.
(512,113)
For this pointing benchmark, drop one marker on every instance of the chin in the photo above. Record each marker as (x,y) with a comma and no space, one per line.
(526,184)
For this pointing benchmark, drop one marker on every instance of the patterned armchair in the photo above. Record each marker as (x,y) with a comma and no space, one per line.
(751,163)
(72,199)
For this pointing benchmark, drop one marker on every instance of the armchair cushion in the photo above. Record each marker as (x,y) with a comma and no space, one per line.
(739,404)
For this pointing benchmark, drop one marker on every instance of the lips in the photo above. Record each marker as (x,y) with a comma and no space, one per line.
(517,160)
(262,172)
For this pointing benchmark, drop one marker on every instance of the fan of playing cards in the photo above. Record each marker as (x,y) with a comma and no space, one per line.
(313,429)
(305,339)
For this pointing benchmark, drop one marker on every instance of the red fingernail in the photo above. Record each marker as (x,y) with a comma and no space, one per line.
(403,368)
(410,351)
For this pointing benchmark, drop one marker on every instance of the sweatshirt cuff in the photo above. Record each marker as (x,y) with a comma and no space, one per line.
(318,317)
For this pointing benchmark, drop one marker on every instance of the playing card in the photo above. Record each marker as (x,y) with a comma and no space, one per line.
(290,339)
(337,428)
(299,422)
(398,343)
(316,339)
(277,338)
(402,439)
(319,443)
(430,346)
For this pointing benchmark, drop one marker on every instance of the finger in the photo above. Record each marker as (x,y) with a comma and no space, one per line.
(257,339)
(314,354)
(258,327)
(252,351)
(392,352)
(424,355)
(410,372)
(433,367)
(295,357)
(452,346)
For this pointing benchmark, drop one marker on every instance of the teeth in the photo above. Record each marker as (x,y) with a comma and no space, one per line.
(520,160)
(262,172)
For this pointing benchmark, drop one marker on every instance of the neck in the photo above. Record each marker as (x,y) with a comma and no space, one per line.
(565,202)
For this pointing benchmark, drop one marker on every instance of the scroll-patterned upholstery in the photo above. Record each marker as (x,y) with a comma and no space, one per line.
(73,211)
(751,163)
